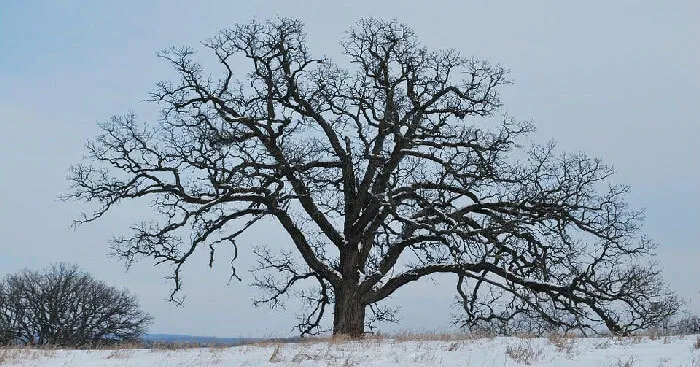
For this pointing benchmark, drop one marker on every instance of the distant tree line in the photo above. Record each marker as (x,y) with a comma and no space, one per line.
(64,306)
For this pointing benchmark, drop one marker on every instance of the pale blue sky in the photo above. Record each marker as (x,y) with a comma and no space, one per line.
(619,80)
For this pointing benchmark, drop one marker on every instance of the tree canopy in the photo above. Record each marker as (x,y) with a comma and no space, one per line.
(63,306)
(397,167)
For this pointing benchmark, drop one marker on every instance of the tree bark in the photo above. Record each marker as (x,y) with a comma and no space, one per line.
(349,312)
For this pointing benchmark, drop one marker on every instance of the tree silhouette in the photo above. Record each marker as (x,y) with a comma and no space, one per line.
(63,306)
(393,169)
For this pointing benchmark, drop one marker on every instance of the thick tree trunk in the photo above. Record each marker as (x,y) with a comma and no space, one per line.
(349,312)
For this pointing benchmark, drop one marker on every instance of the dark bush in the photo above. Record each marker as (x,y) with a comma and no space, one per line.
(64,306)
(688,325)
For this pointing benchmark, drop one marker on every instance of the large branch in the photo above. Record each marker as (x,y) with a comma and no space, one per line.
(305,249)
(571,292)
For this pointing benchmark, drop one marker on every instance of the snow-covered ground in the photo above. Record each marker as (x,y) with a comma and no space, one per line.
(627,352)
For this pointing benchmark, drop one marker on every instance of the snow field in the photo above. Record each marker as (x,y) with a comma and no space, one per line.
(500,351)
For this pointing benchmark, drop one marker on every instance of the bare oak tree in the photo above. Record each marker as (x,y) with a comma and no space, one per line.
(63,306)
(394,168)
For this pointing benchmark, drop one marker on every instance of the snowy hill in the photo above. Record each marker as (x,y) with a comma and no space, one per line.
(501,351)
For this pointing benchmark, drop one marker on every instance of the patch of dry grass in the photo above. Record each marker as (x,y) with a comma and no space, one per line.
(370,338)
(629,362)
(437,336)
(21,354)
(524,352)
(564,343)
(120,353)
(275,357)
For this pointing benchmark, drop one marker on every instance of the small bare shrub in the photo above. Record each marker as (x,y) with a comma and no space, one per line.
(564,344)
(275,357)
(626,363)
(524,353)
(348,363)
(452,347)
(119,354)
(303,356)
(605,344)
(425,357)
(697,343)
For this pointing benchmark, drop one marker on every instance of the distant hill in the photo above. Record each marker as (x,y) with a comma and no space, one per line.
(192,339)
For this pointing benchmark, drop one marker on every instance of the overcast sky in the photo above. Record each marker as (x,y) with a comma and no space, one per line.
(616,79)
